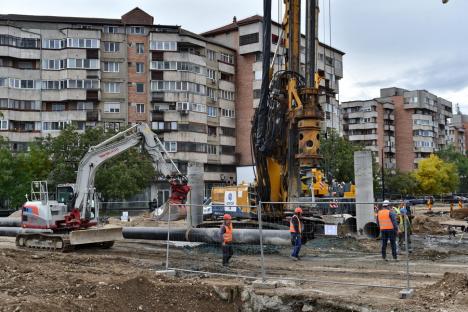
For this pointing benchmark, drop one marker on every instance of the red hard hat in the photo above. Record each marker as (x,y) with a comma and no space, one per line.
(298,210)
(227,217)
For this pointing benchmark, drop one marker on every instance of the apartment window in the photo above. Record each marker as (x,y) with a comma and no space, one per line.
(177,86)
(257,93)
(201,108)
(3,124)
(211,73)
(211,55)
(228,149)
(140,108)
(249,39)
(83,63)
(112,87)
(182,106)
(211,131)
(22,83)
(51,85)
(226,58)
(82,43)
(58,107)
(112,125)
(229,113)
(111,67)
(137,30)
(211,93)
(84,106)
(140,68)
(170,146)
(111,46)
(54,125)
(140,87)
(112,107)
(212,149)
(53,43)
(228,131)
(53,64)
(163,45)
(212,111)
(227,95)
(140,48)
(111,29)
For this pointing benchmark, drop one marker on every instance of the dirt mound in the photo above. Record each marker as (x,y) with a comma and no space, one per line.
(424,224)
(451,289)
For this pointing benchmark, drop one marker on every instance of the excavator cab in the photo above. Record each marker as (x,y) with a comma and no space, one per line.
(64,193)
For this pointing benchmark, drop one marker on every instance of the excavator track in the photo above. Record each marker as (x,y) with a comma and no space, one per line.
(51,242)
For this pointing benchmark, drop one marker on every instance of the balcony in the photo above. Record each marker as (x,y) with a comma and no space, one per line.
(93,115)
(157,115)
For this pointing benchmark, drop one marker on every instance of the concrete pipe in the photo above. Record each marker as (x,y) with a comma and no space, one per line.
(154,233)
(10,222)
(208,235)
(371,230)
(13,231)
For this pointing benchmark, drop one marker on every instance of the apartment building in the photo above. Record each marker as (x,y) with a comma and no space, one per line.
(56,71)
(245,36)
(420,124)
(371,123)
(458,132)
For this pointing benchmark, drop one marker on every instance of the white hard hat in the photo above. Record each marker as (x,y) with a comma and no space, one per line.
(386,203)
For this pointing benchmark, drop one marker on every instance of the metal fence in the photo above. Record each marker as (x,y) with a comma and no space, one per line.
(262,247)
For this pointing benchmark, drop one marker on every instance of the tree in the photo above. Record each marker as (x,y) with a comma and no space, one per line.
(436,176)
(7,178)
(119,178)
(401,183)
(450,154)
(337,157)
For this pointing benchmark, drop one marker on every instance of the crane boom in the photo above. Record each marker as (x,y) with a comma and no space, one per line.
(119,143)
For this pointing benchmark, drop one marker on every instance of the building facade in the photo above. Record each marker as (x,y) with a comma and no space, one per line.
(245,36)
(371,124)
(88,72)
(420,125)
(458,132)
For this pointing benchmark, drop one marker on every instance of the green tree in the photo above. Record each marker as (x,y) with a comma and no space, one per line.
(7,176)
(450,154)
(436,176)
(118,178)
(337,157)
(401,183)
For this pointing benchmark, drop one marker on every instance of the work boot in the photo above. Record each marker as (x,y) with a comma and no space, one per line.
(294,258)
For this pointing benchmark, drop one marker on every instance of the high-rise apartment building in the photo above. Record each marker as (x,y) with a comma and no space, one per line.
(458,132)
(371,123)
(420,124)
(245,36)
(56,71)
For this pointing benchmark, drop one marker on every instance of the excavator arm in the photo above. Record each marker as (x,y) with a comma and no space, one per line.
(119,143)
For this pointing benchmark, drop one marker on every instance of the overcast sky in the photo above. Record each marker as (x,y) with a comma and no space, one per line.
(413,44)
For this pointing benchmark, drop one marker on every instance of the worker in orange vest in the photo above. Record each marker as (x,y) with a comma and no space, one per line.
(460,203)
(295,228)
(226,234)
(386,220)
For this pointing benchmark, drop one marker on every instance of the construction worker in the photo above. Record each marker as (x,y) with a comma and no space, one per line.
(404,224)
(226,236)
(460,203)
(295,228)
(386,220)
(429,203)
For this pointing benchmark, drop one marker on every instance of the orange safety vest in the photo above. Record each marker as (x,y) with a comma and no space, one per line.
(291,225)
(385,222)
(227,236)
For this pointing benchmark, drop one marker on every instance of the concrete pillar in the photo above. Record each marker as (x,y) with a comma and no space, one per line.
(196,195)
(364,189)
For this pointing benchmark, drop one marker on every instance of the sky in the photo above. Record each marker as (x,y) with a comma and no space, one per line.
(412,44)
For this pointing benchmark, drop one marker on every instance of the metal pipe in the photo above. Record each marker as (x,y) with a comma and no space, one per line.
(13,231)
(310,42)
(10,222)
(371,229)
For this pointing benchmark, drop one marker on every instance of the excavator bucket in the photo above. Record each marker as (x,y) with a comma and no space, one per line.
(170,212)
(96,235)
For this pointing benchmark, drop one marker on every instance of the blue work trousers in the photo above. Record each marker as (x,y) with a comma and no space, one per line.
(296,239)
(388,235)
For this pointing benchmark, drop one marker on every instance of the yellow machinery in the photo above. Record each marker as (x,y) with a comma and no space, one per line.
(287,122)
(236,200)
(316,179)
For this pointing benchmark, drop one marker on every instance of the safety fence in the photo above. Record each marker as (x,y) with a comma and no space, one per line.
(262,245)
